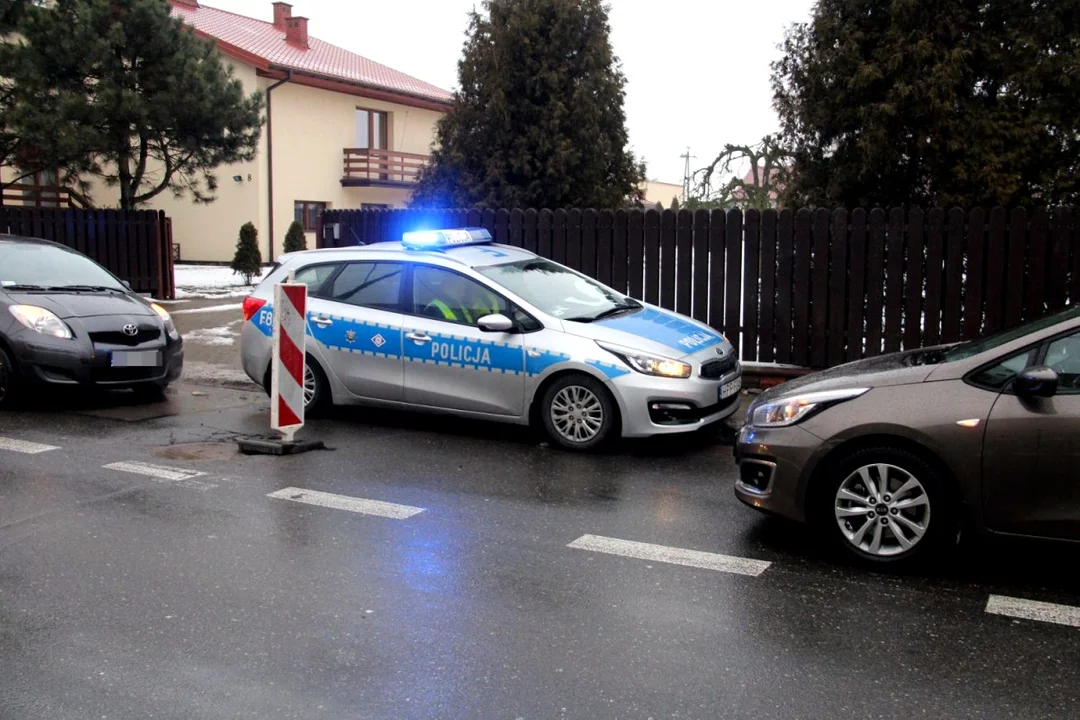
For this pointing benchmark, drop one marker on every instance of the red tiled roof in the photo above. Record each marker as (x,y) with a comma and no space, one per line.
(267,42)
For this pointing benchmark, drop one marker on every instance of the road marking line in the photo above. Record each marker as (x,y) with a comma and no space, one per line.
(673,555)
(1033,610)
(161,472)
(23,446)
(344,502)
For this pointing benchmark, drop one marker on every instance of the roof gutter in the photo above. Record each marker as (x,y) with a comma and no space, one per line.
(270,161)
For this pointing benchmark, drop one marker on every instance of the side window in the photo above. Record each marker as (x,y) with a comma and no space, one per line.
(1063,355)
(445,295)
(315,276)
(375,285)
(996,376)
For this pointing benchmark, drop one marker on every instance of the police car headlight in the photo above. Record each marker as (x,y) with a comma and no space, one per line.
(649,364)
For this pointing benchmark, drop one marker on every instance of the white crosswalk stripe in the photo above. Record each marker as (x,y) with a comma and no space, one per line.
(23,446)
(344,502)
(672,555)
(172,475)
(1033,610)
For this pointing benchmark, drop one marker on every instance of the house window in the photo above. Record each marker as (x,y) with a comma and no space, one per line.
(371,130)
(308,212)
(374,206)
(43,189)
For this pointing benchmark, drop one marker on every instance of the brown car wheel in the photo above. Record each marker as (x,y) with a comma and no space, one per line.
(886,506)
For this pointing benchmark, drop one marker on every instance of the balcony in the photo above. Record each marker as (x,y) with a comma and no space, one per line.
(381,168)
(45,196)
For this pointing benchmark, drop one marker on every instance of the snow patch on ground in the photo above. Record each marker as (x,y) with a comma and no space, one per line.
(211,281)
(216,375)
(223,336)
(209,309)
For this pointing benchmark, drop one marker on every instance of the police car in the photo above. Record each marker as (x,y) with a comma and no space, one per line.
(447,321)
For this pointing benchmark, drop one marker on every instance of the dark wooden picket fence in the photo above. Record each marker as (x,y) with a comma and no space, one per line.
(135,245)
(810,288)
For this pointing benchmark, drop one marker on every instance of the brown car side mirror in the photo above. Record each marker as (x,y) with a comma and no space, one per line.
(1036,382)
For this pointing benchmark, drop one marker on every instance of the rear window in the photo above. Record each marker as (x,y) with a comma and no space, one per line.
(50,266)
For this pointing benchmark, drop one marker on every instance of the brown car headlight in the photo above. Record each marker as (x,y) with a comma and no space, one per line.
(791,410)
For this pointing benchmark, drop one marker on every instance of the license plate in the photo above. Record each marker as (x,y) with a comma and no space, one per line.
(136,358)
(730,388)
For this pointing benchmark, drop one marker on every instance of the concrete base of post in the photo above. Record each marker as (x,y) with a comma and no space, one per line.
(278,446)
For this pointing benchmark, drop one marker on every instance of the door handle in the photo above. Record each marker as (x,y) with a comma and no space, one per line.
(322,321)
(418,338)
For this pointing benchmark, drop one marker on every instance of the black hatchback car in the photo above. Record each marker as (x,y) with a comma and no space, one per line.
(67,321)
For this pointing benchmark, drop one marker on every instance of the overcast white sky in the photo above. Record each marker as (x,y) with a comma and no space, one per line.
(697,70)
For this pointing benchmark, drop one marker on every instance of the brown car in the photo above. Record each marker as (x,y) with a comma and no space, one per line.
(889,455)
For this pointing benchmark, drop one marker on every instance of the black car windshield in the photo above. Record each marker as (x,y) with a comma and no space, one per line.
(30,265)
(990,342)
(558,290)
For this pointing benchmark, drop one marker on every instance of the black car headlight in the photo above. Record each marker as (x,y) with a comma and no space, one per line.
(166,319)
(796,408)
(41,320)
(649,364)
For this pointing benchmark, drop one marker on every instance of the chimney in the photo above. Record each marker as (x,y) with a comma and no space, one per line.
(296,31)
(282,12)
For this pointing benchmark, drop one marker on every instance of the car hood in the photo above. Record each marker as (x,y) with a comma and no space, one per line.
(902,368)
(650,330)
(83,305)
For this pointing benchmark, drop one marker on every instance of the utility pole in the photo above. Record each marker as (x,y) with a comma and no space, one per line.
(686,173)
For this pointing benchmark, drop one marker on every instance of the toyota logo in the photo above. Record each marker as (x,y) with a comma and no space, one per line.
(131,329)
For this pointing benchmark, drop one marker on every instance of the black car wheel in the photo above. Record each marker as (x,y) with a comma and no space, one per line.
(886,506)
(578,412)
(9,380)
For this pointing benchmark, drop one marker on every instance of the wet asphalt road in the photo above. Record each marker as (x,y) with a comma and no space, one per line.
(197,596)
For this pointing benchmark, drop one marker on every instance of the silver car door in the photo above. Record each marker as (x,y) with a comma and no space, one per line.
(356,317)
(451,363)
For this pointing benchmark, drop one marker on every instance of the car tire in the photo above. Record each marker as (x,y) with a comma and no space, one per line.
(578,412)
(9,381)
(320,399)
(909,522)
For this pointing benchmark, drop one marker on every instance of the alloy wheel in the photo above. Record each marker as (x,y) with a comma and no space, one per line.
(310,385)
(882,510)
(577,413)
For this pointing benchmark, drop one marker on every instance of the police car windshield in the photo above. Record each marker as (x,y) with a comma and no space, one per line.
(559,291)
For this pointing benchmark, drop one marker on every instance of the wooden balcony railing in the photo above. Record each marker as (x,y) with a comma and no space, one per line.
(19,195)
(385,168)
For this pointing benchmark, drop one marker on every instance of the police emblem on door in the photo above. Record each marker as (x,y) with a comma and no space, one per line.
(350,336)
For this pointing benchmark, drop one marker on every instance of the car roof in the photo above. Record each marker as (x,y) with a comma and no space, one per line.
(471,256)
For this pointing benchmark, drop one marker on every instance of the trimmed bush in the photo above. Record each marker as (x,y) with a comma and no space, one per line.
(248,258)
(295,239)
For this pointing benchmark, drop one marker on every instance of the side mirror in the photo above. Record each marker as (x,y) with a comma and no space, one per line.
(1036,382)
(495,323)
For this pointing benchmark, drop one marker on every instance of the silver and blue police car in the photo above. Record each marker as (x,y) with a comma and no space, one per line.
(448,321)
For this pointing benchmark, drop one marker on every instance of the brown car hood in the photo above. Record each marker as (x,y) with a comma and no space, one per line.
(903,368)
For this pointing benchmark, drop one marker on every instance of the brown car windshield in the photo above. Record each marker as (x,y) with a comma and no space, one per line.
(990,342)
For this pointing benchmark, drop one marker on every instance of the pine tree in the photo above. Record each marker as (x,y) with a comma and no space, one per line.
(942,103)
(247,262)
(121,90)
(295,239)
(538,120)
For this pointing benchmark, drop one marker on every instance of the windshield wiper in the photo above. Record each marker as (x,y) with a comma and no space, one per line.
(84,288)
(22,287)
(615,310)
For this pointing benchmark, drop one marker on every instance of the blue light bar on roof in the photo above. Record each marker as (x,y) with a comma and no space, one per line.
(439,239)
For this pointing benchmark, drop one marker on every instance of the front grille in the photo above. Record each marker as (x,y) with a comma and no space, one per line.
(115,337)
(125,374)
(716,369)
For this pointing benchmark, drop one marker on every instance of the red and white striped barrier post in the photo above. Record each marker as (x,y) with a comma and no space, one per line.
(287,365)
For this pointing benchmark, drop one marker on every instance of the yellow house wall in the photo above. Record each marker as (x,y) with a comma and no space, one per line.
(312,128)
(663,193)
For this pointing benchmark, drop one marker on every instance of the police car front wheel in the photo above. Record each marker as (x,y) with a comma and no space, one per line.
(578,412)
